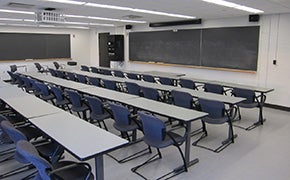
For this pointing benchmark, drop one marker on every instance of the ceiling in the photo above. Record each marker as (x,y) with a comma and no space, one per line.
(196,8)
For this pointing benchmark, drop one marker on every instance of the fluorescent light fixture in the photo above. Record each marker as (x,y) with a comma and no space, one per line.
(26,25)
(98,24)
(104,19)
(14,11)
(77,23)
(29,20)
(138,10)
(76,27)
(10,19)
(67,2)
(234,5)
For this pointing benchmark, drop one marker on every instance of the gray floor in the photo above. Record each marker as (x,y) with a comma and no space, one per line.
(262,153)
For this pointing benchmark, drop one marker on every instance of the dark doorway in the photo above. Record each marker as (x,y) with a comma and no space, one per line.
(103,50)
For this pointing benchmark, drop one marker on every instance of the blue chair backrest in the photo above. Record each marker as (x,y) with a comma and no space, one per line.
(19,79)
(75,98)
(132,76)
(13,68)
(14,134)
(27,150)
(245,93)
(94,81)
(133,88)
(106,72)
(38,67)
(85,68)
(166,81)
(213,88)
(34,85)
(121,114)
(81,78)
(57,93)
(110,84)
(52,72)
(150,93)
(119,74)
(12,76)
(186,83)
(96,105)
(215,109)
(182,99)
(71,76)
(153,128)
(95,70)
(57,66)
(26,82)
(43,88)
(148,78)
(60,74)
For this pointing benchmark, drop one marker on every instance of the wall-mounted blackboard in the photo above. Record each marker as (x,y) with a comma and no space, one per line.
(20,46)
(230,47)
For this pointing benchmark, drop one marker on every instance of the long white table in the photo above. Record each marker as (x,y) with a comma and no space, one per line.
(168,110)
(80,138)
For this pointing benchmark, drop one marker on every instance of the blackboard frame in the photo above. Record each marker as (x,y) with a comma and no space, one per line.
(23,46)
(241,44)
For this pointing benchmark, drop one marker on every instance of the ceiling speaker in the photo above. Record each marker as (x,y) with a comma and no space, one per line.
(254,18)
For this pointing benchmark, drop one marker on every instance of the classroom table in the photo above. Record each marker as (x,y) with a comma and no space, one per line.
(4,84)
(29,106)
(182,114)
(82,139)
(257,89)
(163,74)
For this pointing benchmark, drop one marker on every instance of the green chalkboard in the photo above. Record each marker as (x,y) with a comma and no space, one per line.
(20,46)
(228,47)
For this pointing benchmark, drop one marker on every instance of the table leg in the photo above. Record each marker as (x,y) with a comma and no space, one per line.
(187,148)
(99,166)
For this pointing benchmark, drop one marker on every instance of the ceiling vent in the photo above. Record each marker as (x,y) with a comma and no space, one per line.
(49,17)
(20,5)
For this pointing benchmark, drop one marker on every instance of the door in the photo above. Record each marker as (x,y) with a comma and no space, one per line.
(103,50)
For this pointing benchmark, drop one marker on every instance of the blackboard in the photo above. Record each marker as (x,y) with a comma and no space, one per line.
(20,46)
(229,47)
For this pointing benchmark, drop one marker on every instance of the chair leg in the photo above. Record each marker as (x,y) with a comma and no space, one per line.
(105,126)
(17,171)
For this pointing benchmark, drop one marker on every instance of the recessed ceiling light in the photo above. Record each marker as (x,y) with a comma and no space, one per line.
(234,5)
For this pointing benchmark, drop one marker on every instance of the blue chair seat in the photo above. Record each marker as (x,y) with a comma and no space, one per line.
(166,142)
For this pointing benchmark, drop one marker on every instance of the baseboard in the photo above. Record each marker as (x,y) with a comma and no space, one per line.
(283,108)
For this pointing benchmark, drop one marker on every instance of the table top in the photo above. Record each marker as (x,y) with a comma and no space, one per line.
(108,94)
(75,134)
(212,96)
(167,110)
(30,106)
(11,91)
(163,74)
(231,85)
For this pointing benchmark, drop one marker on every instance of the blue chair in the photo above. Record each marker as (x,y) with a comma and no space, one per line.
(61,100)
(13,68)
(47,171)
(186,83)
(95,70)
(108,84)
(27,84)
(167,81)
(57,65)
(45,94)
(151,93)
(156,135)
(60,74)
(81,78)
(49,150)
(133,88)
(125,122)
(217,114)
(252,101)
(98,113)
(132,76)
(71,76)
(148,78)
(13,79)
(78,104)
(85,68)
(94,81)
(37,91)
(52,72)
(20,82)
(40,68)
(119,74)
(106,72)
(213,88)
